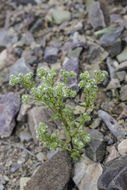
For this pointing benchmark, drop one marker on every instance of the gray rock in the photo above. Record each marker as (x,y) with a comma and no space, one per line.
(122,66)
(27,38)
(121,75)
(113,84)
(115,49)
(53,174)
(96,123)
(9,107)
(25,2)
(114,175)
(7,39)
(111,123)
(123,93)
(112,65)
(122,147)
(113,153)
(110,38)
(86,174)
(23,112)
(25,136)
(37,115)
(50,54)
(1,187)
(69,65)
(96,17)
(59,16)
(95,149)
(20,67)
(23,182)
(122,56)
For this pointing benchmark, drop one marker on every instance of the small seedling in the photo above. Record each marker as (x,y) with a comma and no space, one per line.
(53,94)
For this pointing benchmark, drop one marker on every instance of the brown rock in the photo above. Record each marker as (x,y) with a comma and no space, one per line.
(54,174)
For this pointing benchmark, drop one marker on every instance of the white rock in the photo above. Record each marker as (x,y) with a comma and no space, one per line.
(3,59)
(86,174)
(23,182)
(122,147)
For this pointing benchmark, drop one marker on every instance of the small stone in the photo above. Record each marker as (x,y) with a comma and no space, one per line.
(112,65)
(123,93)
(96,123)
(3,59)
(115,49)
(113,84)
(86,174)
(59,16)
(41,157)
(122,147)
(9,107)
(50,54)
(53,174)
(69,65)
(123,115)
(25,136)
(37,115)
(27,38)
(95,149)
(96,17)
(122,56)
(23,182)
(20,67)
(23,112)
(113,153)
(122,66)
(25,2)
(110,38)
(121,75)
(75,53)
(112,124)
(1,187)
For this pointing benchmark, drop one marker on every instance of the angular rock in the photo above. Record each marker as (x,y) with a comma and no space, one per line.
(23,182)
(50,54)
(27,38)
(20,67)
(95,149)
(25,136)
(96,17)
(110,38)
(86,174)
(123,93)
(37,115)
(59,16)
(7,39)
(9,107)
(123,115)
(113,84)
(122,56)
(69,65)
(122,147)
(114,175)
(111,123)
(23,112)
(115,49)
(112,65)
(122,66)
(120,75)
(3,59)
(96,123)
(112,154)
(25,2)
(53,174)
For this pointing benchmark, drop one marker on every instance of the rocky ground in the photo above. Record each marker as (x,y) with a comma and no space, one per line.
(74,35)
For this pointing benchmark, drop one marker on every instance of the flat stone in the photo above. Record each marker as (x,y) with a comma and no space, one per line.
(122,66)
(112,124)
(110,38)
(9,107)
(59,16)
(23,112)
(7,39)
(53,174)
(50,54)
(112,66)
(123,115)
(75,53)
(25,2)
(95,149)
(96,17)
(114,175)
(23,182)
(37,115)
(112,154)
(122,56)
(25,136)
(69,65)
(120,75)
(115,49)
(123,93)
(122,147)
(113,84)
(86,174)
(27,38)
(96,123)
(20,67)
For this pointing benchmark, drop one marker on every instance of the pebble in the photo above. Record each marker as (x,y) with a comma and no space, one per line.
(122,147)
(122,56)
(123,93)
(50,54)
(59,16)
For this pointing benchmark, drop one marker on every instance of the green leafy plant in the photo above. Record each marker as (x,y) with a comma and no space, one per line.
(53,94)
